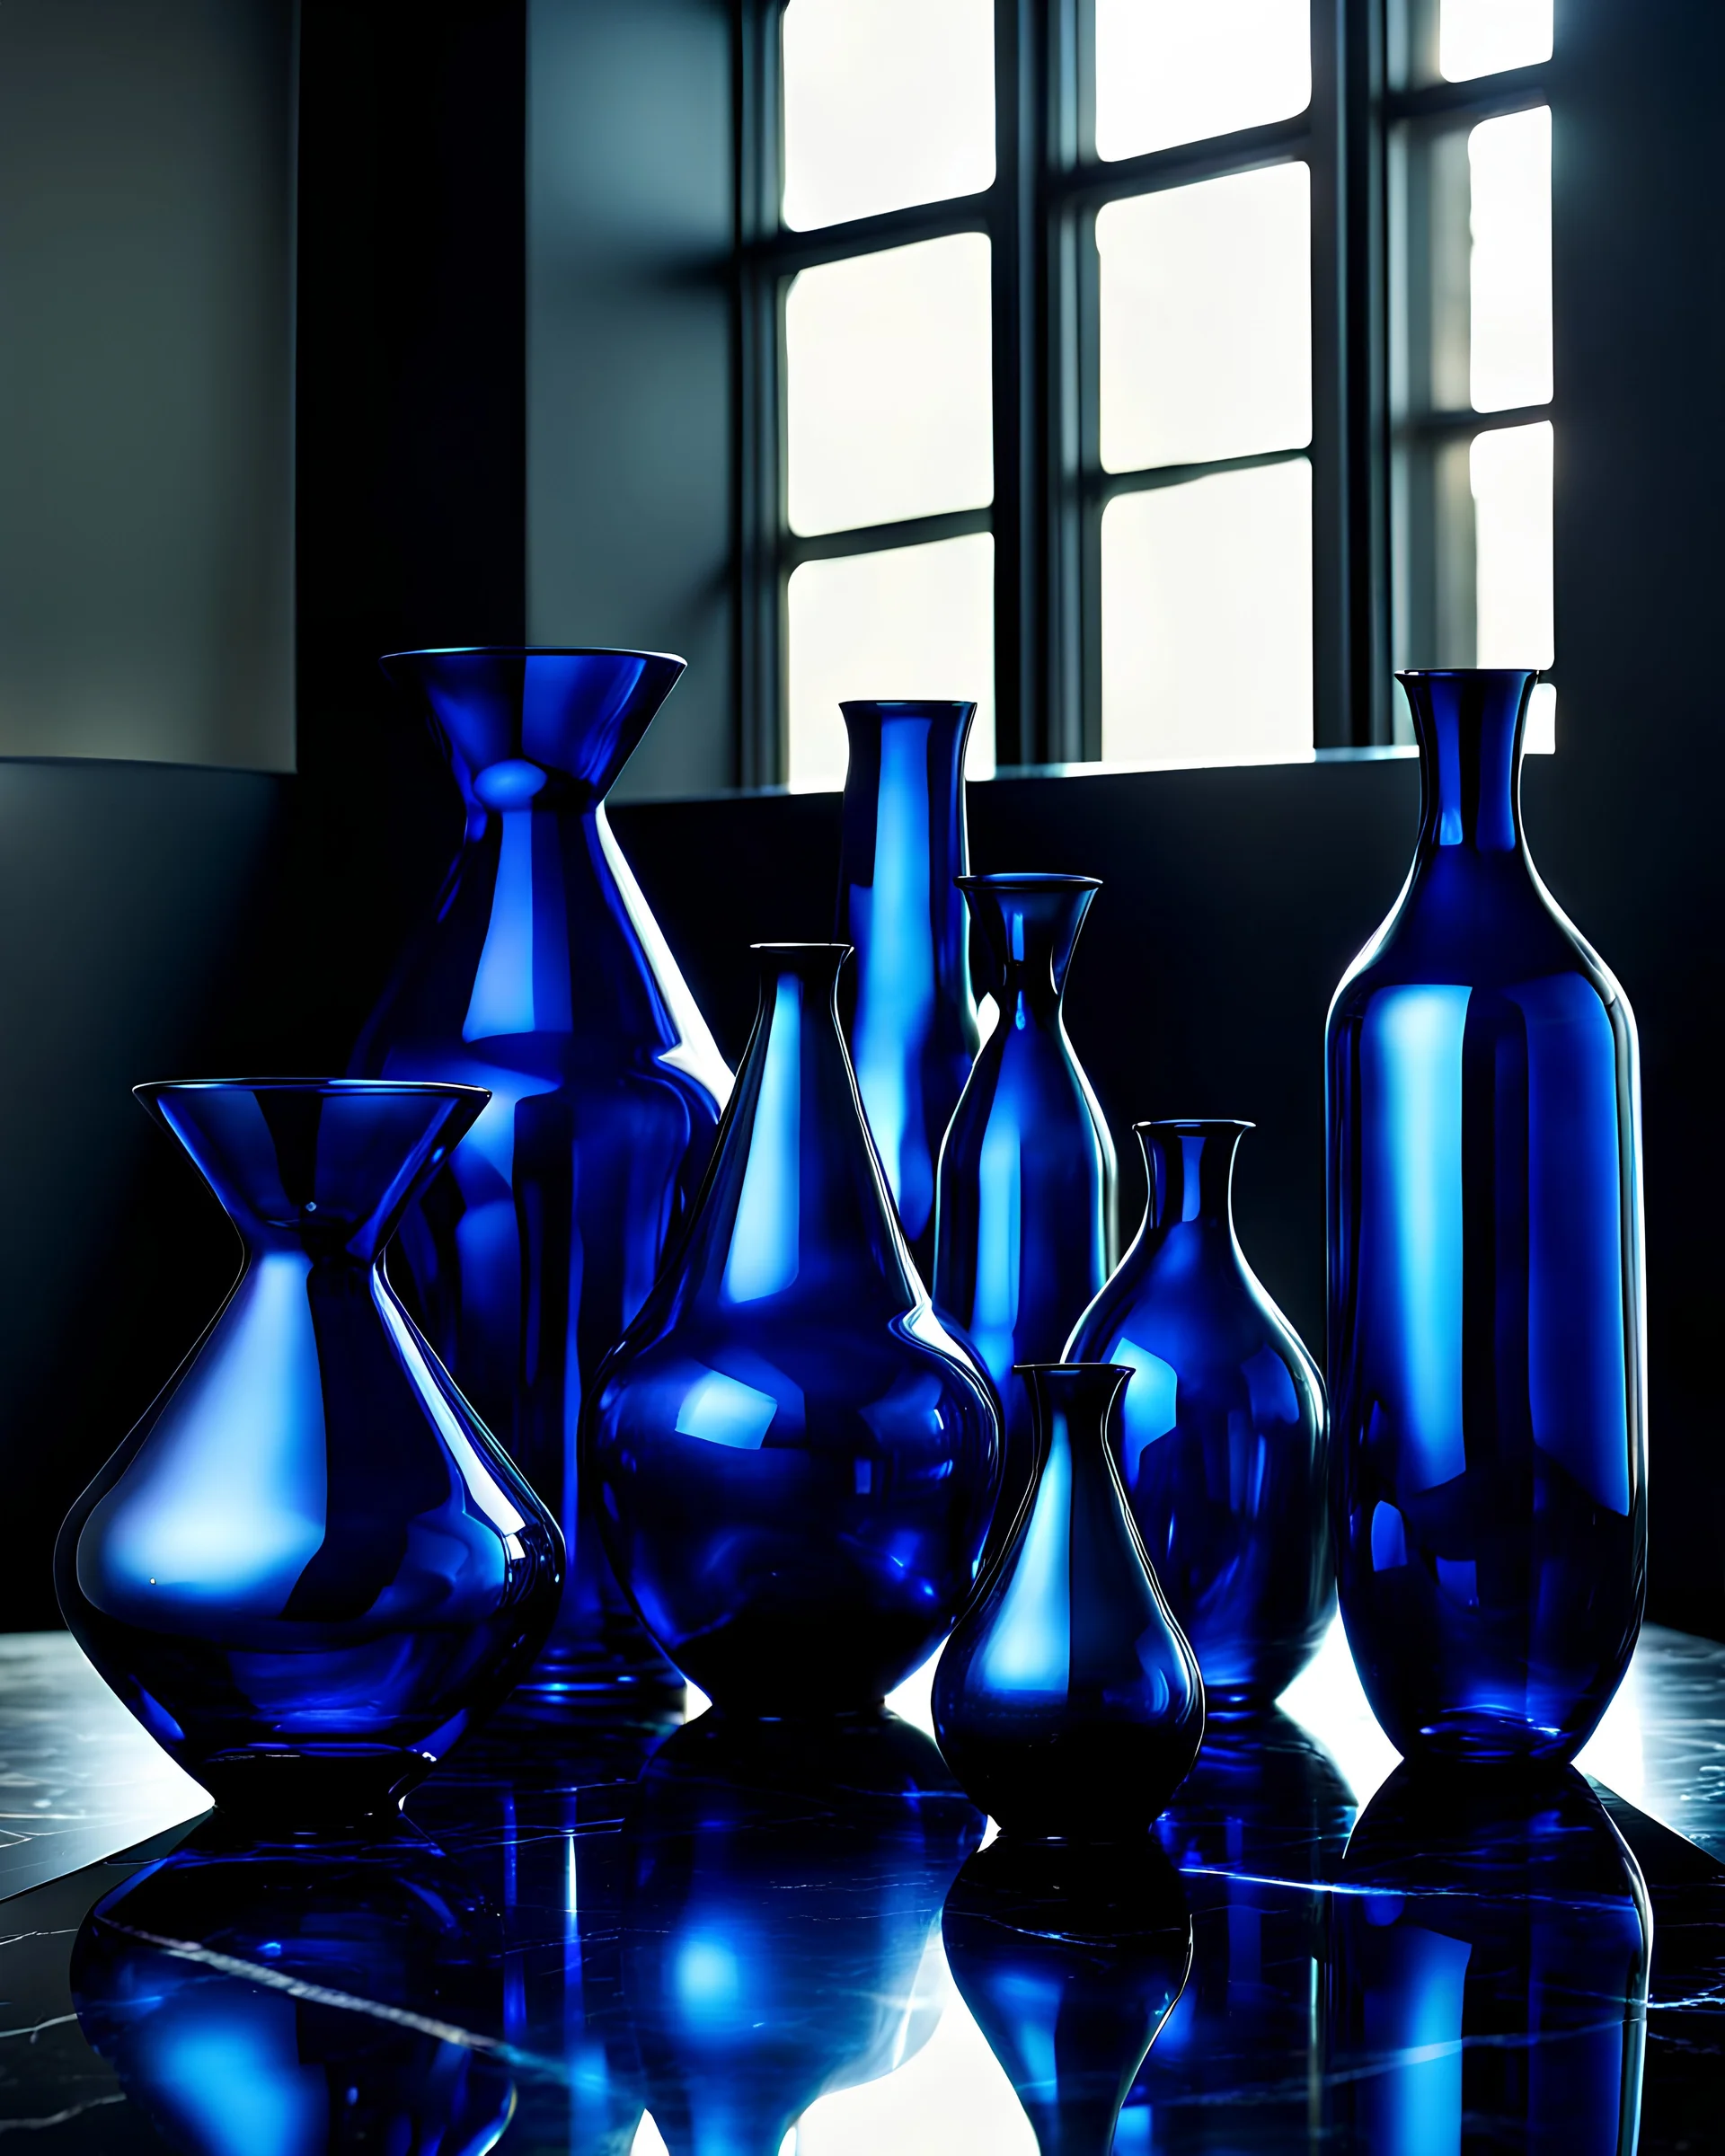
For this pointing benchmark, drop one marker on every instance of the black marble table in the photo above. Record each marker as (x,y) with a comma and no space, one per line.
(729,1942)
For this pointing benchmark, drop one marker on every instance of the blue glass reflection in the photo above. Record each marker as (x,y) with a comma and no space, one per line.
(1486,1316)
(796,1463)
(913,1029)
(545,978)
(1067,1701)
(1488,1958)
(1071,1960)
(1224,1432)
(256,2000)
(309,1567)
(1025,1227)
(788,1879)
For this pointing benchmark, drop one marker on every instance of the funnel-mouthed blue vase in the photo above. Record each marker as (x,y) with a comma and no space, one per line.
(545,978)
(309,1568)
(795,1461)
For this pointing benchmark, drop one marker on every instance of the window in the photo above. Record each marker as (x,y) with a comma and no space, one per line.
(1154,374)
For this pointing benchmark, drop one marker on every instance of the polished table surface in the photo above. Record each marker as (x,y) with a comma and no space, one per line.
(729,1943)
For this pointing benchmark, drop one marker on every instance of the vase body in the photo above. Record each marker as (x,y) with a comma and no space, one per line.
(796,1463)
(545,978)
(300,1998)
(1224,1434)
(1026,1206)
(786,1885)
(309,1567)
(1067,1701)
(1071,1960)
(1489,1960)
(910,1013)
(1487,1328)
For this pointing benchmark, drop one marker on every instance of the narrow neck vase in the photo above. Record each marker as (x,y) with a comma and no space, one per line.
(1487,1324)
(1026,1213)
(545,978)
(912,1024)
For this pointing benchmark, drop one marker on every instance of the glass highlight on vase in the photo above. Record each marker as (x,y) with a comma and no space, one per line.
(796,1463)
(1487,1323)
(1223,1437)
(544,977)
(1490,1949)
(1067,1701)
(911,1021)
(309,1568)
(1025,1222)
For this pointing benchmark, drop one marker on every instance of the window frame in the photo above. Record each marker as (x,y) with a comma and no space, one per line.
(1050,490)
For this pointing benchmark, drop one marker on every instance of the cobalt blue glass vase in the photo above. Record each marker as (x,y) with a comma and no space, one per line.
(795,1462)
(1068,1701)
(1026,1211)
(1487,1326)
(309,1568)
(1070,1960)
(1224,1435)
(1490,1942)
(912,1025)
(543,978)
(297,1998)
(786,1886)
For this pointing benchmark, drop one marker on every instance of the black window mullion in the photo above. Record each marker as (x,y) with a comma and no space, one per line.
(759,437)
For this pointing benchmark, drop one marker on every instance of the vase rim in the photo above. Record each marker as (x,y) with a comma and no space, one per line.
(1027,879)
(439,1088)
(1072,1369)
(802,949)
(1468,673)
(895,704)
(1196,1126)
(670,658)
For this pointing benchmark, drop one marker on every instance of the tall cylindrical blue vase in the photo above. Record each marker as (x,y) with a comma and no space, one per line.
(1487,1328)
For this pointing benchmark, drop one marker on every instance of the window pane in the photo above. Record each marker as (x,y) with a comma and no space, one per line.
(885,103)
(1173,71)
(1206,619)
(916,620)
(1481,37)
(1511,474)
(1207,319)
(1510,165)
(887,393)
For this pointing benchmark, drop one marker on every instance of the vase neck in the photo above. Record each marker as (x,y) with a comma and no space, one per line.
(1469,723)
(536,729)
(1188,1171)
(1073,1403)
(1031,924)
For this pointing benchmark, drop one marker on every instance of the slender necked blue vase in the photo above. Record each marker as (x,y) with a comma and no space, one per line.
(1067,1701)
(1071,1960)
(544,977)
(1224,1434)
(1026,1213)
(1489,1953)
(796,1463)
(1487,1328)
(310,1568)
(912,1024)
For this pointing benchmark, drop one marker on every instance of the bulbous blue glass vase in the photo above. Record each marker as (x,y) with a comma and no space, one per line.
(1071,1960)
(1488,1958)
(1224,1435)
(1025,1220)
(787,1882)
(298,1999)
(1067,1701)
(912,1025)
(1487,1325)
(543,978)
(796,1463)
(309,1568)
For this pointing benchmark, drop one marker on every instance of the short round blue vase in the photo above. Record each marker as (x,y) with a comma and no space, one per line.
(1067,1701)
(795,1462)
(1223,1434)
(1025,1222)
(309,1568)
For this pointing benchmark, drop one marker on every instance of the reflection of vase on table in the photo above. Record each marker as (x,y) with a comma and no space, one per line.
(544,977)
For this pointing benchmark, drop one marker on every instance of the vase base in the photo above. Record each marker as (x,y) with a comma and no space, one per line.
(312,1787)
